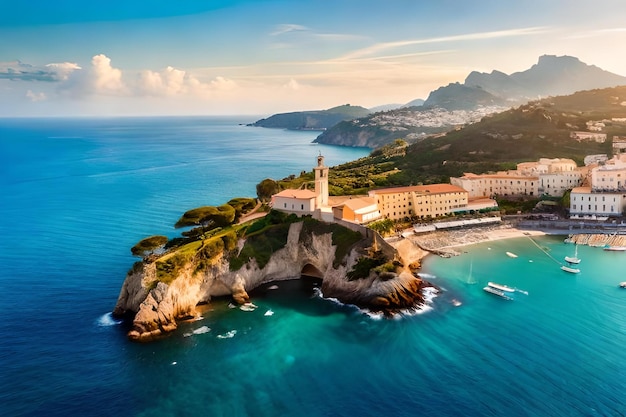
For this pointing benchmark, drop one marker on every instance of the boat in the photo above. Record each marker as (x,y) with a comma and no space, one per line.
(573,259)
(622,284)
(500,287)
(500,293)
(570,269)
(615,248)
(511,255)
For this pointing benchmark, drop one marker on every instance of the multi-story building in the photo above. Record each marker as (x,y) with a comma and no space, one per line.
(421,201)
(610,176)
(506,183)
(586,202)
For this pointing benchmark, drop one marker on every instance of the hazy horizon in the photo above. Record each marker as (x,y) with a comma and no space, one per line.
(262,57)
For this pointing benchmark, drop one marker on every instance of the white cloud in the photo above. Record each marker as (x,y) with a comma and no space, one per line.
(63,69)
(35,97)
(105,78)
(383,46)
(287,28)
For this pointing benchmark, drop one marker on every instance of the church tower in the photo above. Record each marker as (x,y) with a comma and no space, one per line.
(321,183)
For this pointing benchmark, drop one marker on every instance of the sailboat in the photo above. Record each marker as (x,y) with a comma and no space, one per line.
(573,259)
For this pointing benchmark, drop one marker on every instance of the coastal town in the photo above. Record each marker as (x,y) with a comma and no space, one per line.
(597,191)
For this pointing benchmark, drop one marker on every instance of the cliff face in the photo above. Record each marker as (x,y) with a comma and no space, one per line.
(156,305)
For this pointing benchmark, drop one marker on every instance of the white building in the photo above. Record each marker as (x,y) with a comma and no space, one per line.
(610,176)
(585,202)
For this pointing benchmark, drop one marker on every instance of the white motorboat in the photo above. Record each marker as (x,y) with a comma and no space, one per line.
(570,269)
(499,293)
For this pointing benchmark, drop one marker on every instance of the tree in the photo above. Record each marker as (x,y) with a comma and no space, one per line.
(148,245)
(208,217)
(266,189)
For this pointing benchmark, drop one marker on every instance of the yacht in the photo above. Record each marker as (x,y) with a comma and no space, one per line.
(622,284)
(500,290)
(570,269)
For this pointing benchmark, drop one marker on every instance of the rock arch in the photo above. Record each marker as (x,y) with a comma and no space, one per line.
(311,270)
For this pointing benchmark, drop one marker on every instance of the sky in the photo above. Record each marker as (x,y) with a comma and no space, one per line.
(260,57)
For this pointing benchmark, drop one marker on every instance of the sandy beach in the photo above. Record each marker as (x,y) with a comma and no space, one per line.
(415,247)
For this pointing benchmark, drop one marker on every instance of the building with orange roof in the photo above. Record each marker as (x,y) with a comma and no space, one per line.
(421,201)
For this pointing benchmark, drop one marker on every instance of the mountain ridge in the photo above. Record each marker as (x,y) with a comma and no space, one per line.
(485,93)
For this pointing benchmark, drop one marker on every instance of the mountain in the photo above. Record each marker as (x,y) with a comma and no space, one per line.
(550,76)
(538,129)
(457,96)
(386,107)
(480,94)
(312,120)
(414,103)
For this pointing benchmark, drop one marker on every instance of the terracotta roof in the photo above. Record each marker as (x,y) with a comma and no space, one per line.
(426,189)
(297,194)
(357,204)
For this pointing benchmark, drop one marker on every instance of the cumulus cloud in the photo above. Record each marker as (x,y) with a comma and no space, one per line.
(172,81)
(20,71)
(106,79)
(35,97)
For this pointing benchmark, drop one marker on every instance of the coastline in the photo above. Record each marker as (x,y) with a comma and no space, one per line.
(414,248)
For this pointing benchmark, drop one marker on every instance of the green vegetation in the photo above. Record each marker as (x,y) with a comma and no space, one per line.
(384,227)
(208,216)
(242,206)
(366,264)
(342,237)
(266,189)
(263,238)
(148,245)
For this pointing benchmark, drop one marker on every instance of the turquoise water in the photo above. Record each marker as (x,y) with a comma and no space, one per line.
(77,194)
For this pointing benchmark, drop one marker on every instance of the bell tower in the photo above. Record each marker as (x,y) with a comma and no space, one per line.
(321,183)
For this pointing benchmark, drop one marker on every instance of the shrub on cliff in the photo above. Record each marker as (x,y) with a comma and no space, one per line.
(148,245)
(266,189)
(208,216)
(242,205)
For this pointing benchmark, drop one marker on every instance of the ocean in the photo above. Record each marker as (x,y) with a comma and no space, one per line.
(78,193)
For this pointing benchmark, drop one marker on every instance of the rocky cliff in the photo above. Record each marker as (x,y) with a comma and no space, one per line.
(157,305)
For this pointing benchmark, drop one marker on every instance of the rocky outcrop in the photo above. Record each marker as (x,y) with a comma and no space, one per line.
(156,306)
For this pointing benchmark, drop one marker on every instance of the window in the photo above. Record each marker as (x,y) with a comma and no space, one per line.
(301,206)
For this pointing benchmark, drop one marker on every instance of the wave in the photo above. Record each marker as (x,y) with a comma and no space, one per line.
(426,276)
(248,307)
(199,330)
(227,335)
(107,320)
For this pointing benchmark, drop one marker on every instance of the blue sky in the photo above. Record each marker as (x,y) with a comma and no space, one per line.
(124,57)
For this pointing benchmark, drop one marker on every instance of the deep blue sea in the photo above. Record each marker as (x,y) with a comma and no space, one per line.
(76,194)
